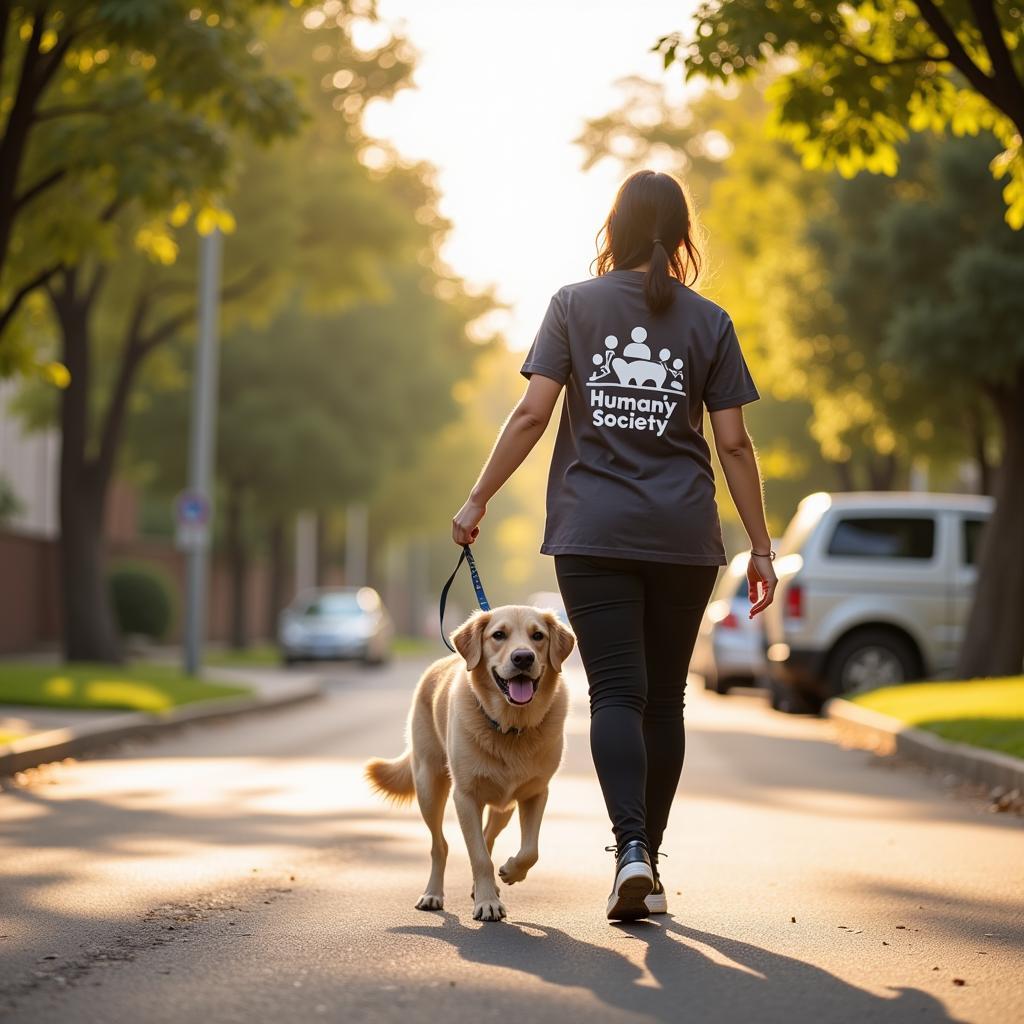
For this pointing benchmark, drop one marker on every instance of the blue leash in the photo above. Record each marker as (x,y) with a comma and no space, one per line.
(481,597)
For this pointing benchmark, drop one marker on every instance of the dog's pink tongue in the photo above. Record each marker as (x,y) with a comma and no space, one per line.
(520,690)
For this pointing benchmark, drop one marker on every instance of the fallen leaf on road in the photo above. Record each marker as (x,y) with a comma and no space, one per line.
(959,981)
(903,926)
(884,943)
(792,920)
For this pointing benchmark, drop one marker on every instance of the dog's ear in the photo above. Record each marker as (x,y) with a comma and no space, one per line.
(468,639)
(560,641)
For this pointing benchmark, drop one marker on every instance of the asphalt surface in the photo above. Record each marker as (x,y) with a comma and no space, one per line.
(242,871)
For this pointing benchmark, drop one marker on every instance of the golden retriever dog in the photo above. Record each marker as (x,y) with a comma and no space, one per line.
(488,722)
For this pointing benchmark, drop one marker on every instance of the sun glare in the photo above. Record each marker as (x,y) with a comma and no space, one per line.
(501,93)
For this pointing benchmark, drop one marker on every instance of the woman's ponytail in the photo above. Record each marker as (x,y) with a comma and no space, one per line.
(658,284)
(650,222)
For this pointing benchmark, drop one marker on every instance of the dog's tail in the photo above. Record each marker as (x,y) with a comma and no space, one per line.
(392,779)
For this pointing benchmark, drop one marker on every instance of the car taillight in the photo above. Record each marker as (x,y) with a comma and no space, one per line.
(794,606)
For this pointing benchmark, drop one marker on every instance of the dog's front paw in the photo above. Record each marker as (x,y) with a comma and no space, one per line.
(513,871)
(429,902)
(489,910)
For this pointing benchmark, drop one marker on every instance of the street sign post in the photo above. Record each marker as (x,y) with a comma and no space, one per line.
(191,520)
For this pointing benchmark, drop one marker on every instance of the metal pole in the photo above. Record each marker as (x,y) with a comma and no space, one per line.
(305,551)
(357,527)
(204,412)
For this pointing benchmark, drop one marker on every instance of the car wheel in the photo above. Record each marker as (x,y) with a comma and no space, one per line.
(869,659)
(714,684)
(791,701)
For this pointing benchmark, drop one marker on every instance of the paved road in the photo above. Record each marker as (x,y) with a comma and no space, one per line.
(242,872)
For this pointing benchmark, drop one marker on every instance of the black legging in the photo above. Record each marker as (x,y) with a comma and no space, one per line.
(636,623)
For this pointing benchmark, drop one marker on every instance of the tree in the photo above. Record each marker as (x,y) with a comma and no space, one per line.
(117,300)
(359,400)
(98,93)
(856,80)
(866,390)
(956,277)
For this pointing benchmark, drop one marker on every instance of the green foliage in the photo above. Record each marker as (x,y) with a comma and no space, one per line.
(316,410)
(857,77)
(337,369)
(925,288)
(121,108)
(142,600)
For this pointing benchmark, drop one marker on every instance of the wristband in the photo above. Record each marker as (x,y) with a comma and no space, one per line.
(769,554)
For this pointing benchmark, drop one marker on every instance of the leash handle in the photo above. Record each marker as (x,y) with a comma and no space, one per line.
(481,597)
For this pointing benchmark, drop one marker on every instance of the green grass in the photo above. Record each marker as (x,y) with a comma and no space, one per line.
(153,688)
(985,713)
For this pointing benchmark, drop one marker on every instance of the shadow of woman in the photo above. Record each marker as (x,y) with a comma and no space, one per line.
(726,981)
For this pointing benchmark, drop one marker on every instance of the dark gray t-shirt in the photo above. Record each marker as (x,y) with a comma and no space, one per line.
(631,472)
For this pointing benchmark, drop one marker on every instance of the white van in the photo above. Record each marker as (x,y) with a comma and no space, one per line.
(874,589)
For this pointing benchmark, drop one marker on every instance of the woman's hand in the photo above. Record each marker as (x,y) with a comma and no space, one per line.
(760,573)
(465,528)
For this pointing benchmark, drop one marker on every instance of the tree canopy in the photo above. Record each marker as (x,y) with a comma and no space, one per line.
(855,79)
(113,104)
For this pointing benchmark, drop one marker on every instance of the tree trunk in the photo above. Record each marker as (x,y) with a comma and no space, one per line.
(994,641)
(976,424)
(89,630)
(882,472)
(844,474)
(275,585)
(323,561)
(238,568)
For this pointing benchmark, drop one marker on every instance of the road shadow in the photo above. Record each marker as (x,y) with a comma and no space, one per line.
(696,975)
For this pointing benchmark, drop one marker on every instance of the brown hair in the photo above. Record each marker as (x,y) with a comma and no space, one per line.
(651,220)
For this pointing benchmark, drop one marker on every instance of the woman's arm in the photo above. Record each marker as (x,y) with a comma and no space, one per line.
(522,430)
(739,463)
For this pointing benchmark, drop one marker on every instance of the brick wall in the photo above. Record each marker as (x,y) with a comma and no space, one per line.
(29,589)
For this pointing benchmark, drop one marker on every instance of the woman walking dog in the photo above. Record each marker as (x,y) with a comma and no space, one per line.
(631,516)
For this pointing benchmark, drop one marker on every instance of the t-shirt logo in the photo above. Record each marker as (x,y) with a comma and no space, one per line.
(634,370)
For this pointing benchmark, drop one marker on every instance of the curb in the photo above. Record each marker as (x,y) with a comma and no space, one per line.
(883,735)
(74,740)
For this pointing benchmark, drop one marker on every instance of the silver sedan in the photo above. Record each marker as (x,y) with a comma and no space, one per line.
(337,622)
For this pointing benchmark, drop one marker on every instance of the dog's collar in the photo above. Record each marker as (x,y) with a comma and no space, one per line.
(515,730)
